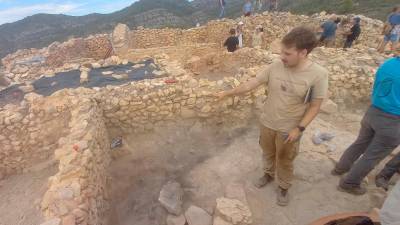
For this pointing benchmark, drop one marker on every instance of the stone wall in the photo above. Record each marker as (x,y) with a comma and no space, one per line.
(148,104)
(29,133)
(275,25)
(78,194)
(27,65)
(95,47)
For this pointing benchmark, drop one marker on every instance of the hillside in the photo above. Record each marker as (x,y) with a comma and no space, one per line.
(42,29)
(377,9)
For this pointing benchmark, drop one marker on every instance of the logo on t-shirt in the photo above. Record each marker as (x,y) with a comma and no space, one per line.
(283,87)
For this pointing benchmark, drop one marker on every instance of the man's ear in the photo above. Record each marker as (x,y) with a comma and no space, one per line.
(303,53)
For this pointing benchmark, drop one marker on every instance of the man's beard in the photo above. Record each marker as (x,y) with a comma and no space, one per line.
(286,64)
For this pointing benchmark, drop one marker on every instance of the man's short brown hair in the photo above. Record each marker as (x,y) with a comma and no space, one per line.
(301,38)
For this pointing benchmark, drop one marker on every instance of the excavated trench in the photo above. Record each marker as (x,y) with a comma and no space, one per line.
(204,157)
(177,152)
(207,158)
(98,77)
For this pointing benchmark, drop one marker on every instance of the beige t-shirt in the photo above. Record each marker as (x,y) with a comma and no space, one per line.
(288,92)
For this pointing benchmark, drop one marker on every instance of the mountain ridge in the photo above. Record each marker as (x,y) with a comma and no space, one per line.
(40,30)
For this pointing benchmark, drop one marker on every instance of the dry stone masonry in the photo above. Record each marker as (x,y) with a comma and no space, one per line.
(71,126)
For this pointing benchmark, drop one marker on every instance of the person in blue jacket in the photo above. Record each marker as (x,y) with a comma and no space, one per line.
(380,129)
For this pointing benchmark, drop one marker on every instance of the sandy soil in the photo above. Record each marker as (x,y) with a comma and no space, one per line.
(207,159)
(20,197)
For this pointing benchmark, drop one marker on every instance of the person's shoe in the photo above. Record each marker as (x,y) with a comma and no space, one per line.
(282,197)
(382,182)
(335,172)
(354,190)
(262,181)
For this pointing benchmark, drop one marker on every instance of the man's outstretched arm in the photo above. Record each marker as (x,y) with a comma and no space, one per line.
(241,89)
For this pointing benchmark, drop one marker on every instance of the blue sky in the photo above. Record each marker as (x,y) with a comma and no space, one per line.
(13,10)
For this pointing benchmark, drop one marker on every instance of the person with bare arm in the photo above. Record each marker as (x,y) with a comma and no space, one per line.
(296,89)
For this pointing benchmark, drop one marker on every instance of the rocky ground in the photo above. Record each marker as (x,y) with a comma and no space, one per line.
(208,161)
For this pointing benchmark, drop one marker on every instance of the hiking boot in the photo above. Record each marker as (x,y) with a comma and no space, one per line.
(262,181)
(335,172)
(354,190)
(282,197)
(382,182)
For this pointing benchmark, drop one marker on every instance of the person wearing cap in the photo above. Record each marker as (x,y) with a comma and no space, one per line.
(354,33)
(380,130)
(239,33)
(329,32)
(257,37)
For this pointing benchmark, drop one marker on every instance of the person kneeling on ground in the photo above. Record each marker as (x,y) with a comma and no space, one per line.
(296,89)
(380,130)
(232,42)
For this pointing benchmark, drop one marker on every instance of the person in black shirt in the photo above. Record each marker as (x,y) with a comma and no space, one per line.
(232,42)
(354,33)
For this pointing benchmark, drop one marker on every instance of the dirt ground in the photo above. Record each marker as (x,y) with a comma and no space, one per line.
(20,197)
(207,159)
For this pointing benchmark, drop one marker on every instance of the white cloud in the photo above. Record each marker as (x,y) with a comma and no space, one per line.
(17,13)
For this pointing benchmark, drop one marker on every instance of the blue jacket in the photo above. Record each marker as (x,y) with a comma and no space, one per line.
(386,91)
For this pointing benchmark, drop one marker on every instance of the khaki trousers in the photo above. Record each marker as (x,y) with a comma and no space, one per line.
(278,156)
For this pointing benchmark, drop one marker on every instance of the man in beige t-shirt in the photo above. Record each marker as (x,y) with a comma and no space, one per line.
(296,89)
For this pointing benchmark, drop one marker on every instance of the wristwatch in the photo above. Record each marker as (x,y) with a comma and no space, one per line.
(301,128)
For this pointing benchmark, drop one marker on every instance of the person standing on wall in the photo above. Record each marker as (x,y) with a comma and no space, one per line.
(380,130)
(247,8)
(391,30)
(329,32)
(296,89)
(222,4)
(273,5)
(239,33)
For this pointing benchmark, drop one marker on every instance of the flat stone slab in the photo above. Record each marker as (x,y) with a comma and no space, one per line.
(176,220)
(197,216)
(171,196)
(233,211)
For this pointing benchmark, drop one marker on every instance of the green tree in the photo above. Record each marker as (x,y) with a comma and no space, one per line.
(347,5)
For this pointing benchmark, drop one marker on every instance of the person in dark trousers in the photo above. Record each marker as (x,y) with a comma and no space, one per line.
(329,32)
(380,130)
(222,4)
(232,42)
(391,168)
(354,33)
(289,108)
